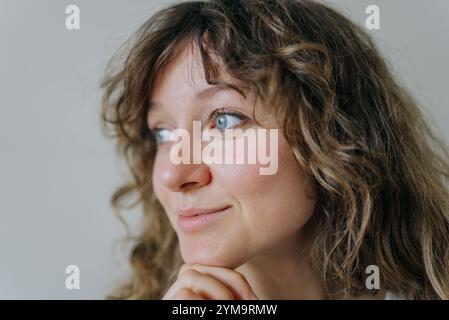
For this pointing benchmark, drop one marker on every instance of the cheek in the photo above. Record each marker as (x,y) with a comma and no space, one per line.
(160,192)
(270,205)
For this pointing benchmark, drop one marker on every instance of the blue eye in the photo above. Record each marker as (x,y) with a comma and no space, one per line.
(226,121)
(162,135)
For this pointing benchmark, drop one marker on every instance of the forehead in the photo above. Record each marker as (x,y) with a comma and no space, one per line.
(184,69)
(183,77)
(182,83)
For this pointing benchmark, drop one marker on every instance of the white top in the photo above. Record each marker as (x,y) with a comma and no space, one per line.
(390,295)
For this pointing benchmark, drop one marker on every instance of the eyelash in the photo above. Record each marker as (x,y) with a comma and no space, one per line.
(224,111)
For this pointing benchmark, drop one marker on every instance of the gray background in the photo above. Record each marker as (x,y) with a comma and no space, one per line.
(57,170)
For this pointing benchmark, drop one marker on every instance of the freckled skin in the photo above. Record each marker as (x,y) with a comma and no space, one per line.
(266,209)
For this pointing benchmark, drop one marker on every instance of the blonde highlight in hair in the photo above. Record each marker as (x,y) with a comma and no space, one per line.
(379,169)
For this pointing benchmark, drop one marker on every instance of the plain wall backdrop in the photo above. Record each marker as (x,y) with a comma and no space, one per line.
(57,170)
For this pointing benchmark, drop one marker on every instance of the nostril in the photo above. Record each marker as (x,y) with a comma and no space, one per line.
(187,185)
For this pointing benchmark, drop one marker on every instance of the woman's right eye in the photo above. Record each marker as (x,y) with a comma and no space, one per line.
(162,135)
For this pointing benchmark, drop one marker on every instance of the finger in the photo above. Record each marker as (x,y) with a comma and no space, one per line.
(170,291)
(235,281)
(204,285)
(187,294)
(183,268)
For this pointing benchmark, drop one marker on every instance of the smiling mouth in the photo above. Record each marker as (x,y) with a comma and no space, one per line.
(189,212)
(193,219)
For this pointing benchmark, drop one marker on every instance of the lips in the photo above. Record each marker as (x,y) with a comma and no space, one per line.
(195,219)
(188,212)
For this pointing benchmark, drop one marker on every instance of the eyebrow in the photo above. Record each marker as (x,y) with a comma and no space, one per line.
(206,93)
(211,91)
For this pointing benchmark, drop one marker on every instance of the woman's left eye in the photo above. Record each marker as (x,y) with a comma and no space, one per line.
(161,135)
(227,120)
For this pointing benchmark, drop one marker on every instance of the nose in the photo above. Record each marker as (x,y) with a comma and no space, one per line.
(185,177)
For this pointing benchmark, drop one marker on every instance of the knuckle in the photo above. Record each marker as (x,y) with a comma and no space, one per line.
(183,269)
(185,293)
(189,277)
(240,277)
(247,290)
(189,273)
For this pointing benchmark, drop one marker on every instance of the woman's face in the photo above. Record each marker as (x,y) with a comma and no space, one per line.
(257,211)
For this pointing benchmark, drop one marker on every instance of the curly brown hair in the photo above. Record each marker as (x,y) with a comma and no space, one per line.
(381,171)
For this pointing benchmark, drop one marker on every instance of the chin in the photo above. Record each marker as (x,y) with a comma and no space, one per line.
(211,256)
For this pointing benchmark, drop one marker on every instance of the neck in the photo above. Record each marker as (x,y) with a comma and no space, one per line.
(284,271)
